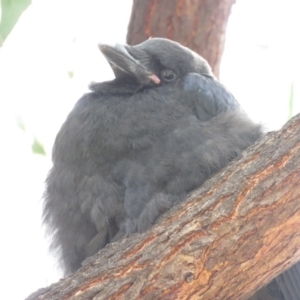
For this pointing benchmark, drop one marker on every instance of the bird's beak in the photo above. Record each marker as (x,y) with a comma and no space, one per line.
(124,64)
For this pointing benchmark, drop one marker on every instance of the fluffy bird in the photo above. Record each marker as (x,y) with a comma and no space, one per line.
(135,146)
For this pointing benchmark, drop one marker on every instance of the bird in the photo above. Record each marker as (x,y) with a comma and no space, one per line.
(135,146)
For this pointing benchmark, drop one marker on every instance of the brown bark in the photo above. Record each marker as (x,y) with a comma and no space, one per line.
(233,235)
(199,25)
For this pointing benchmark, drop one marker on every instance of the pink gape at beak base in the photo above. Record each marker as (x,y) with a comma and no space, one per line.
(154,78)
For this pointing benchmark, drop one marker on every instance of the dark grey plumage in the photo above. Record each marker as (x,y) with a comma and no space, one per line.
(285,286)
(135,146)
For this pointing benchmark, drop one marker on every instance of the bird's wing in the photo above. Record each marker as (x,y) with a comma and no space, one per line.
(209,97)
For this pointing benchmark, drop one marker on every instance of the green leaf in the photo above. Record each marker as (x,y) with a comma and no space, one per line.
(20,123)
(37,147)
(11,11)
(291,101)
(70,74)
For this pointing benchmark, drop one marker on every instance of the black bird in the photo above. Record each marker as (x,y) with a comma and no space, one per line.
(135,146)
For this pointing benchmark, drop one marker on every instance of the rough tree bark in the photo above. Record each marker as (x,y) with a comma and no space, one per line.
(232,236)
(199,25)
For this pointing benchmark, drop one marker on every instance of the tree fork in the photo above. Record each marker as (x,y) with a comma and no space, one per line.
(231,237)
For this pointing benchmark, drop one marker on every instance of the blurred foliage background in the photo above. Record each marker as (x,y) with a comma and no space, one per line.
(10,14)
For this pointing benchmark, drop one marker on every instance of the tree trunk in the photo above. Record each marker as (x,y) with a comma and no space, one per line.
(199,25)
(232,236)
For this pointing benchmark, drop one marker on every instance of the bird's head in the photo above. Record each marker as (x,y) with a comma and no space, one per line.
(156,61)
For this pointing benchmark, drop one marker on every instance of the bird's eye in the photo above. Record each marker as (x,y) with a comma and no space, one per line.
(168,75)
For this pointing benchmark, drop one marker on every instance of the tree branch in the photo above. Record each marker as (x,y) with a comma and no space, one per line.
(199,25)
(231,237)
